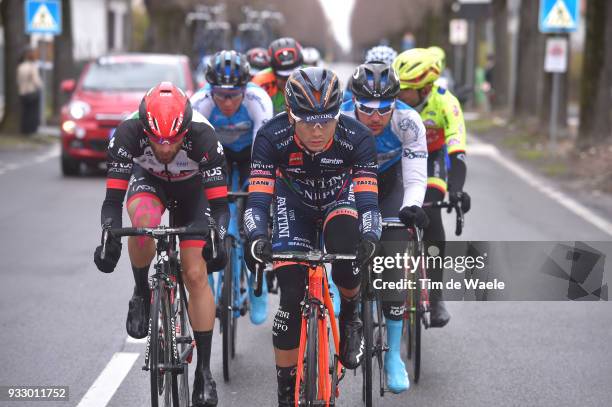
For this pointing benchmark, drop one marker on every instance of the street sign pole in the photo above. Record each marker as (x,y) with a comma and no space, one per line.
(554,111)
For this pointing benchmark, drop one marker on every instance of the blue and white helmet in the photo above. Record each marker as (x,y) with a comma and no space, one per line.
(381,53)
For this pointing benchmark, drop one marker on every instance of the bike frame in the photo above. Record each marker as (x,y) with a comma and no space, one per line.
(237,253)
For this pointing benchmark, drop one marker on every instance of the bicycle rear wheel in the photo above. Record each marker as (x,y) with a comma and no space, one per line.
(160,352)
(227,310)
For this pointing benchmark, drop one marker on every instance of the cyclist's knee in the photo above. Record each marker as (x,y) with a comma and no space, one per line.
(286,325)
(338,228)
(145,210)
(193,267)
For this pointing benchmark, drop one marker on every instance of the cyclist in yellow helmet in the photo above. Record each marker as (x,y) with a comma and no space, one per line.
(418,70)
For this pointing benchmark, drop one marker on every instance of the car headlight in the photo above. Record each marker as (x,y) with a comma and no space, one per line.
(79,109)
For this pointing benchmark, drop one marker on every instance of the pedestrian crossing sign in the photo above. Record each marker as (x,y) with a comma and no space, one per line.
(559,16)
(43,17)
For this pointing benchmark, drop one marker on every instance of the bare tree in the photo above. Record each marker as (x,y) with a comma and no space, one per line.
(63,59)
(14,43)
(500,76)
(596,86)
(530,61)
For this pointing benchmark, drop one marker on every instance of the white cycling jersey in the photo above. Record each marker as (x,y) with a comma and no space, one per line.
(404,138)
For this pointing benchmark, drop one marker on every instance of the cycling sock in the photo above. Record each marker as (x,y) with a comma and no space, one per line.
(286,383)
(141,278)
(348,306)
(203,345)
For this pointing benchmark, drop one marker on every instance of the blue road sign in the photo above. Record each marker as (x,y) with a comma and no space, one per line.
(559,16)
(43,17)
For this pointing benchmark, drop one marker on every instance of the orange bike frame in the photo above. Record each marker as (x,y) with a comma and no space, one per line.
(318,289)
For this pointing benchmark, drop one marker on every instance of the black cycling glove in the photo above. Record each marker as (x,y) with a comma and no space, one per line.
(414,216)
(111,257)
(462,198)
(258,251)
(366,250)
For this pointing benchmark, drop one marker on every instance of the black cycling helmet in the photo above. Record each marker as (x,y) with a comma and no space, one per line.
(375,80)
(313,94)
(258,58)
(228,69)
(285,55)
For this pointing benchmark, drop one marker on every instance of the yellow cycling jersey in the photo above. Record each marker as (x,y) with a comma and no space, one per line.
(443,120)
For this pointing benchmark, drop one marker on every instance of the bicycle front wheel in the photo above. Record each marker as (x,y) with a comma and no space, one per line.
(227,310)
(311,365)
(366,366)
(160,352)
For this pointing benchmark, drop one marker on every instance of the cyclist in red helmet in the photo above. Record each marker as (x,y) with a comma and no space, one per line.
(167,152)
(258,59)
(285,55)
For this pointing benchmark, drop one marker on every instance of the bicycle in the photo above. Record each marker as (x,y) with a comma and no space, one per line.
(314,386)
(170,343)
(231,293)
(373,321)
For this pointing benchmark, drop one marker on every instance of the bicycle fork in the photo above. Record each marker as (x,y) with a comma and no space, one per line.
(319,297)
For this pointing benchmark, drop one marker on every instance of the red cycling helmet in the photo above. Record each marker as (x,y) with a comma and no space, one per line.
(285,56)
(165,113)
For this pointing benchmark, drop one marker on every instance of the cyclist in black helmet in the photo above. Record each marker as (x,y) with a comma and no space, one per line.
(316,164)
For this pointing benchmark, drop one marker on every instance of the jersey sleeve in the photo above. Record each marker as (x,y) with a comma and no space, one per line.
(261,187)
(202,102)
(259,106)
(209,154)
(409,128)
(365,185)
(122,149)
(454,126)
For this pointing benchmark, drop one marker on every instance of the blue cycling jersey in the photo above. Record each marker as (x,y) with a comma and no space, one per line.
(236,132)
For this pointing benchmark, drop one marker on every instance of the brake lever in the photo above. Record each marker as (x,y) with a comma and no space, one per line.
(105,234)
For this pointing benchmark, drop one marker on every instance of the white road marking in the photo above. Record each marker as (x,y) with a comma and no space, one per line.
(107,383)
(488,150)
(47,155)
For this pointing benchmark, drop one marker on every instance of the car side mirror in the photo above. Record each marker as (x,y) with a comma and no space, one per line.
(68,85)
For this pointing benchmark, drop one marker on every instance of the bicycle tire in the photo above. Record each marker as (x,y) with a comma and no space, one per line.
(311,384)
(414,333)
(181,383)
(227,310)
(161,383)
(368,331)
(381,335)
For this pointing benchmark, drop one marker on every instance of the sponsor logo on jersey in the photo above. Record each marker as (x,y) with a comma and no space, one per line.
(331,160)
(296,159)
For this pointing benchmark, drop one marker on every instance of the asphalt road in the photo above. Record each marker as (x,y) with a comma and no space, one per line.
(62,321)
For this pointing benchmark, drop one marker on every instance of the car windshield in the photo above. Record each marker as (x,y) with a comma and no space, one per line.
(131,76)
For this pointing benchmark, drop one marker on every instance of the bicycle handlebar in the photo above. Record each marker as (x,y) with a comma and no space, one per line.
(458,210)
(156,233)
(313,257)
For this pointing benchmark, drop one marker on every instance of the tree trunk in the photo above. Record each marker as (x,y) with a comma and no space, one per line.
(530,61)
(63,59)
(501,72)
(595,99)
(167,31)
(14,43)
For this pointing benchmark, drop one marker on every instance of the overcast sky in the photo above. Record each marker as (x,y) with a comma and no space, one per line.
(339,13)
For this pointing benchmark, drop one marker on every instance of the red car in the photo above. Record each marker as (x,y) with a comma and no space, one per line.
(109,89)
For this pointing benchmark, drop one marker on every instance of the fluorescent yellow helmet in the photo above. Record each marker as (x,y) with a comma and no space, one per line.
(440,54)
(417,67)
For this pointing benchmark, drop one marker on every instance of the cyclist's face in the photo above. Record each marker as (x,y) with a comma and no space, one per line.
(315,136)
(228,101)
(280,83)
(414,97)
(375,122)
(165,153)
